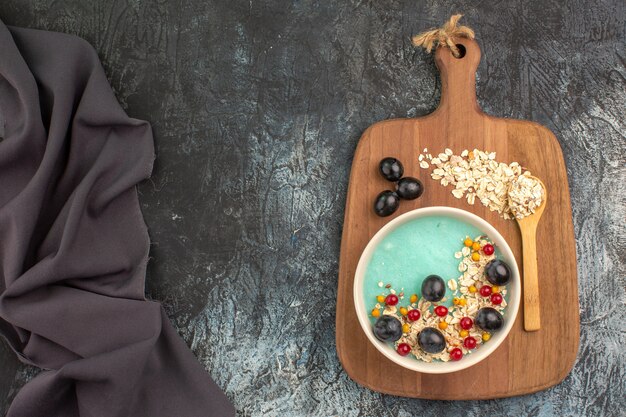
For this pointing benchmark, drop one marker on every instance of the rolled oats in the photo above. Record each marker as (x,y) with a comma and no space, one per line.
(526,194)
(476,175)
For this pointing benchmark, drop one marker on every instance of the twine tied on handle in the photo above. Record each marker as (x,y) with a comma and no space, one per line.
(444,36)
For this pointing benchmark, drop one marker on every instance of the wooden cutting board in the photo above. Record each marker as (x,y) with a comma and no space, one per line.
(525,362)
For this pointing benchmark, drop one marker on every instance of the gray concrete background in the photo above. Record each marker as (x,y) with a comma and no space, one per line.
(257,107)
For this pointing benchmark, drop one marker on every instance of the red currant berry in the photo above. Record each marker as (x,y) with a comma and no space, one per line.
(403,349)
(488,249)
(485,291)
(456,354)
(469,342)
(392,299)
(441,311)
(466,323)
(414,315)
(496,299)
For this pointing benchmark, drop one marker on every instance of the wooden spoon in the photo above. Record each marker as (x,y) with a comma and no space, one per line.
(528,228)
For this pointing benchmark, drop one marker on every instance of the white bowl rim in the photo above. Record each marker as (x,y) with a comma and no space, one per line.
(436,367)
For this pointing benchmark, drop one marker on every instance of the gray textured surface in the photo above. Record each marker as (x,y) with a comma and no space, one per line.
(257,108)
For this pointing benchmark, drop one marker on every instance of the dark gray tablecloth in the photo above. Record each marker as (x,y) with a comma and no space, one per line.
(74,246)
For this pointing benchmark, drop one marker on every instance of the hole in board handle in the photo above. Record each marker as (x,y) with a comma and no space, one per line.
(462,51)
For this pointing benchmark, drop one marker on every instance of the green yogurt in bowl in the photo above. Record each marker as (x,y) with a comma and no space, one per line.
(423,242)
(414,250)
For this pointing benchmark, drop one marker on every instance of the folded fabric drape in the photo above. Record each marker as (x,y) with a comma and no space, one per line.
(74,246)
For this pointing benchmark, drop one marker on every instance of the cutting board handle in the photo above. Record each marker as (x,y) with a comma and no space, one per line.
(458,80)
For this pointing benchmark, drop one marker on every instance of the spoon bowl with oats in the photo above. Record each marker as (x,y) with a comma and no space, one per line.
(527,200)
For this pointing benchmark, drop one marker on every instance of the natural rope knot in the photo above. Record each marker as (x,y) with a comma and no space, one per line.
(444,35)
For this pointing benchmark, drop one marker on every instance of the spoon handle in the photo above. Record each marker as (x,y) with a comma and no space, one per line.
(532,319)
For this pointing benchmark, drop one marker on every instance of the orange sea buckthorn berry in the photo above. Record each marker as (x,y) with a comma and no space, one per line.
(375,312)
(380,298)
(443,325)
(406,327)
(462,302)
(463,333)
(404,311)
(468,242)
(486,337)
(495,289)
(456,301)
(472,289)
(475,256)
(414,298)
(476,246)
